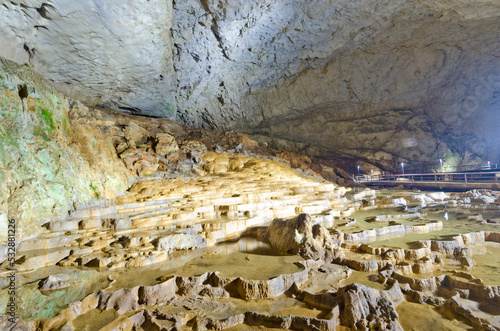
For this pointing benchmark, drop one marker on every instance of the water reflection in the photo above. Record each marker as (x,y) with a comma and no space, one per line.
(246,245)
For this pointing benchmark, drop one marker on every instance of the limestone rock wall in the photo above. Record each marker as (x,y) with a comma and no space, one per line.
(113,53)
(381,81)
(49,162)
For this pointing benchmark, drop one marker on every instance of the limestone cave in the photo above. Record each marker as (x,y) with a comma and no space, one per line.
(249,165)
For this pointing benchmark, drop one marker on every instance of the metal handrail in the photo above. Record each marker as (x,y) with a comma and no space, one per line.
(492,176)
(449,167)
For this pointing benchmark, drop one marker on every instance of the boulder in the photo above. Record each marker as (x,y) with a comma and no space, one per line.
(299,236)
(364,308)
(135,134)
(193,146)
(179,241)
(145,168)
(54,282)
(165,143)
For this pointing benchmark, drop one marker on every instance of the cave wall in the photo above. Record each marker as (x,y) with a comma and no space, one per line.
(52,158)
(380,81)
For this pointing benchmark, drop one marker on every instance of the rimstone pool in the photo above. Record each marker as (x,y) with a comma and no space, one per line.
(447,272)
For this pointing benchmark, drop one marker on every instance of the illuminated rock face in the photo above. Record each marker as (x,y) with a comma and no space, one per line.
(52,159)
(382,81)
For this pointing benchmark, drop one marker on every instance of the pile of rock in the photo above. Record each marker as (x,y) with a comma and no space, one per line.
(161,153)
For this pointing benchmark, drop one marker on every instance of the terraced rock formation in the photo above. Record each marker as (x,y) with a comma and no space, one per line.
(156,217)
(340,282)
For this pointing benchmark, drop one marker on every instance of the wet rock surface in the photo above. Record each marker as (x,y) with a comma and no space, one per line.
(342,283)
(50,161)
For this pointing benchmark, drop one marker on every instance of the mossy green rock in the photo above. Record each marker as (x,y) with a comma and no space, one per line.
(48,160)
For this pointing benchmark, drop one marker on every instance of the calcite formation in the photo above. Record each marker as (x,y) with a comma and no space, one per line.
(158,217)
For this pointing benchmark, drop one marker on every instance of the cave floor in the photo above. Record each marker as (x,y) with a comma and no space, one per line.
(450,286)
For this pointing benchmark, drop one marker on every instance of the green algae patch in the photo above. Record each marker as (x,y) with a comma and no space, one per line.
(94,189)
(169,110)
(3,156)
(34,304)
(47,116)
